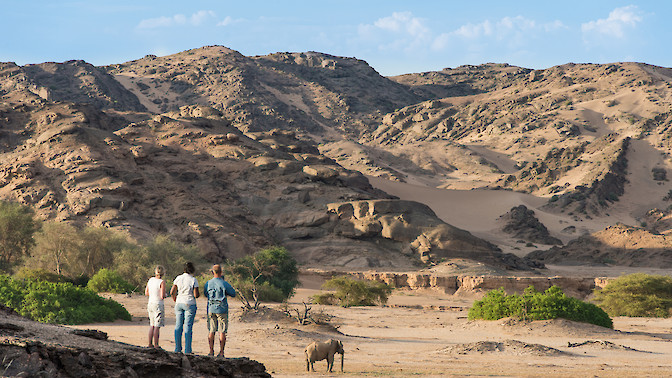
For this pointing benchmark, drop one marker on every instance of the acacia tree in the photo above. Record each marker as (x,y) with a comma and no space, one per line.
(270,274)
(17,226)
(55,245)
(247,276)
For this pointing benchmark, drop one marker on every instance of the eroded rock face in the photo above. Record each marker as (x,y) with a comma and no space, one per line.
(521,223)
(616,245)
(479,285)
(416,229)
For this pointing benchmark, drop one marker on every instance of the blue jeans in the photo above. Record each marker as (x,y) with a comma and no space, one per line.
(184,318)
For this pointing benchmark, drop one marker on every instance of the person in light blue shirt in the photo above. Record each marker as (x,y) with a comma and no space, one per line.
(216,290)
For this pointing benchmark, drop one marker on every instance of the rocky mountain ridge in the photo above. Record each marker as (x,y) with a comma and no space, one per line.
(235,152)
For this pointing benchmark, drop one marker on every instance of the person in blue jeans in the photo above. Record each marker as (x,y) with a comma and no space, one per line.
(216,290)
(184,293)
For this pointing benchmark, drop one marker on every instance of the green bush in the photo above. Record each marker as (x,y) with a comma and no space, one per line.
(58,302)
(109,281)
(534,305)
(265,291)
(39,275)
(637,294)
(350,292)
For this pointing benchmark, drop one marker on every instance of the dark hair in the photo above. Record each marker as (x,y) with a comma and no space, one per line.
(189,267)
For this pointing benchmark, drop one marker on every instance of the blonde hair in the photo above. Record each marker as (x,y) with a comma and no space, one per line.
(160,270)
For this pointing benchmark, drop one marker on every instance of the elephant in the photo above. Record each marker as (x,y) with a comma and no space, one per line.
(318,351)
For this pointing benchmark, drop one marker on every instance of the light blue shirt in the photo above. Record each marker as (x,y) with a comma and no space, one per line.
(216,291)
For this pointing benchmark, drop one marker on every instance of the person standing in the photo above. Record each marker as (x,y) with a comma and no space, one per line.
(156,291)
(184,293)
(216,290)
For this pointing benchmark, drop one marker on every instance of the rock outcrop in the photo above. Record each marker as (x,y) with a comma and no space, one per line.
(477,285)
(417,230)
(521,223)
(35,349)
(616,245)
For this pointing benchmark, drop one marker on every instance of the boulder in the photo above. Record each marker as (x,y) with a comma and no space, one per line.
(320,172)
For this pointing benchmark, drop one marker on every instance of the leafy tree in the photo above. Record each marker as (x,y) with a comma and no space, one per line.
(136,262)
(55,245)
(534,305)
(17,226)
(637,294)
(270,274)
(72,252)
(98,247)
(351,292)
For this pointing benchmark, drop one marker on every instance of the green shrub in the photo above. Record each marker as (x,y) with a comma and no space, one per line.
(534,305)
(39,275)
(265,291)
(109,281)
(58,302)
(350,292)
(637,294)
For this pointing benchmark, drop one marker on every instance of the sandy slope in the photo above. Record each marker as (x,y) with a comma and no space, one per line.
(427,333)
(478,210)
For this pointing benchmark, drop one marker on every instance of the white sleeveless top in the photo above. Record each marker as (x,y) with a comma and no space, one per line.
(154,289)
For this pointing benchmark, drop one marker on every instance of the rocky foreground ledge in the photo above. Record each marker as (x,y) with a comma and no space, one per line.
(32,349)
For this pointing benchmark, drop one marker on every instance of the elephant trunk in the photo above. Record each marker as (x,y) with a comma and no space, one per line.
(342,357)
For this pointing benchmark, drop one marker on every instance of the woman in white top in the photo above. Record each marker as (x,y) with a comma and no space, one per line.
(156,290)
(184,293)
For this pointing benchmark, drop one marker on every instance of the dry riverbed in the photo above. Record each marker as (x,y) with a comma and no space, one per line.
(426,333)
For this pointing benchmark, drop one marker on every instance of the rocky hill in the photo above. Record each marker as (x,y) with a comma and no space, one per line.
(193,174)
(234,152)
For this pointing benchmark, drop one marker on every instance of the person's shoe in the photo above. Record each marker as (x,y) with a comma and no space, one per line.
(220,355)
(211,354)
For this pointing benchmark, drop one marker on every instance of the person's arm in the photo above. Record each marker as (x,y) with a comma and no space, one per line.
(196,292)
(163,289)
(173,292)
(230,291)
(147,289)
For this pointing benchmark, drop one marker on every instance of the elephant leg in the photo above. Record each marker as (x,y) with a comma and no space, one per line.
(330,362)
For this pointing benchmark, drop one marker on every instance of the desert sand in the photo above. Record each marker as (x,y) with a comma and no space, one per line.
(425,333)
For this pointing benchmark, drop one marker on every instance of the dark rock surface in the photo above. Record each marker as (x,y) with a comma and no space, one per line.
(521,223)
(32,349)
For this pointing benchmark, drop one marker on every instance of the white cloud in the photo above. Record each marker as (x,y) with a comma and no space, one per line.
(226,21)
(199,18)
(614,26)
(403,22)
(514,31)
(401,30)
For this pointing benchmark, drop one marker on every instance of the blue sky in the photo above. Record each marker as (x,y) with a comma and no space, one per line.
(393,36)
